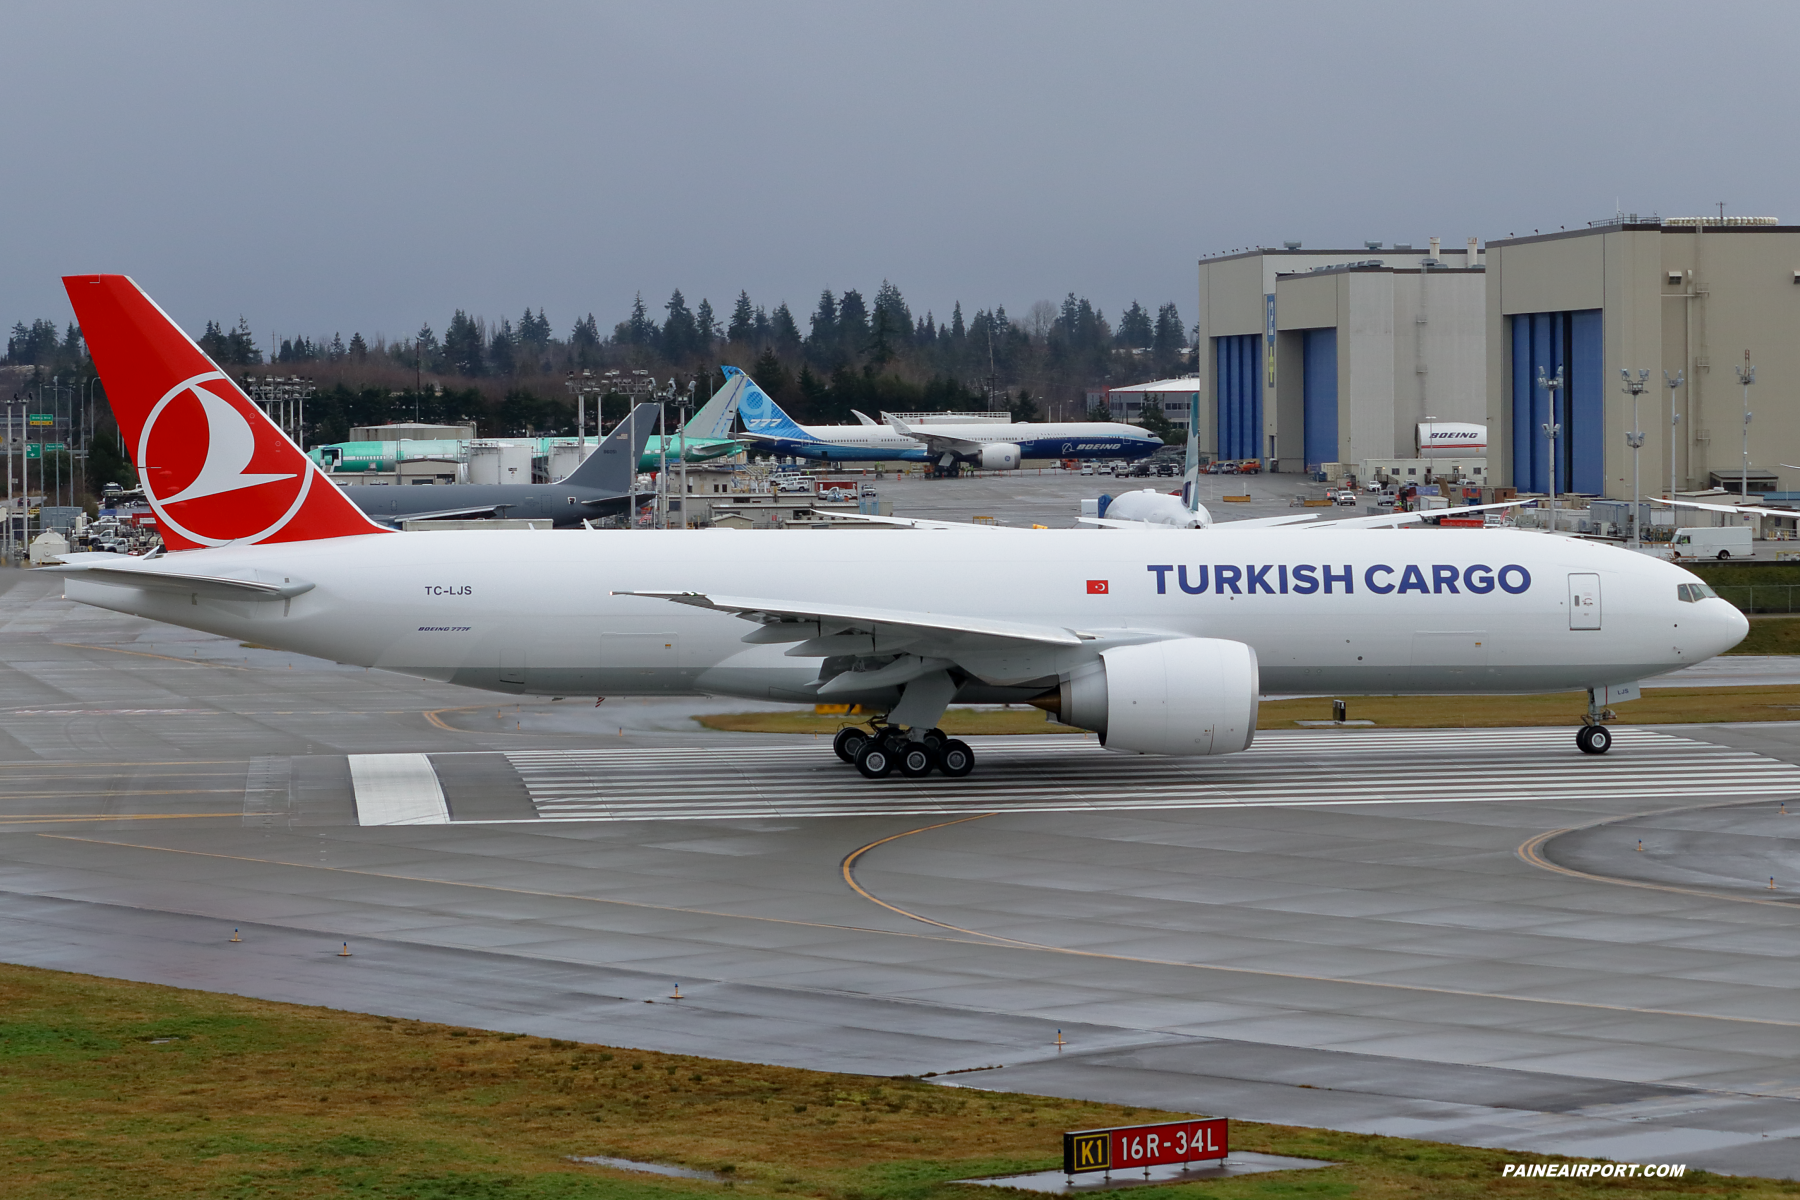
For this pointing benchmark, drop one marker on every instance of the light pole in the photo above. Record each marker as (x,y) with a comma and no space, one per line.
(681,451)
(1672,382)
(1552,429)
(1746,376)
(1635,439)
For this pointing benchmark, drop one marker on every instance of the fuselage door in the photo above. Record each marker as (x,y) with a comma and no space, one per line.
(1584,601)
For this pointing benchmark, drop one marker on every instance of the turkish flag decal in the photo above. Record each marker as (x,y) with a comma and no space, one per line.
(1097,587)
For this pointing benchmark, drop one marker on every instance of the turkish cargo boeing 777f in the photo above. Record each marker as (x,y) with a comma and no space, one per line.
(1159,640)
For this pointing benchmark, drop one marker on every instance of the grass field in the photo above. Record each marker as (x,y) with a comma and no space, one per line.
(1660,706)
(1770,635)
(114,1089)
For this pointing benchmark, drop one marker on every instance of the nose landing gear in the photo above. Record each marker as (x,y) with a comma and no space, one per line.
(1593,737)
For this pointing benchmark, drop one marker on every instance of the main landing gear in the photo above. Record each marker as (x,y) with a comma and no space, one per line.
(882,749)
(1593,737)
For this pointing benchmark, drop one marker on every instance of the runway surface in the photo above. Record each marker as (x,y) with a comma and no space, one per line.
(1444,935)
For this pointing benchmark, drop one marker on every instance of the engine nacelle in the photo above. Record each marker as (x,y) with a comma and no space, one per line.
(1001,456)
(1185,696)
(1156,508)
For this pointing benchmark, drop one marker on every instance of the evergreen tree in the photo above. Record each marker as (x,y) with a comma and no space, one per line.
(706,326)
(824,334)
(502,347)
(1170,338)
(881,340)
(337,352)
(359,349)
(584,341)
(785,332)
(35,345)
(890,302)
(853,323)
(1135,330)
(815,394)
(534,332)
(680,336)
(637,330)
(1023,407)
(242,345)
(770,375)
(463,345)
(957,330)
(741,317)
(761,331)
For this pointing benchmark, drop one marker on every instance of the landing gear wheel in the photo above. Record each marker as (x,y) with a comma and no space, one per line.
(848,742)
(916,760)
(1594,739)
(876,759)
(955,759)
(935,738)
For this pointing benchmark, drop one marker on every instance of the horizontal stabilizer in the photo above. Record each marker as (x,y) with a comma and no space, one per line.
(155,576)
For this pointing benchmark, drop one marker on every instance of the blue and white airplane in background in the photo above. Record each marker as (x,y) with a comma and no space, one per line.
(991,445)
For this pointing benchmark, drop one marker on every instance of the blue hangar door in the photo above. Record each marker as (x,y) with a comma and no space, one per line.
(1548,342)
(1240,395)
(1319,398)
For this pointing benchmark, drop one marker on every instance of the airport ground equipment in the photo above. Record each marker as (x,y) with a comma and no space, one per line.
(1159,640)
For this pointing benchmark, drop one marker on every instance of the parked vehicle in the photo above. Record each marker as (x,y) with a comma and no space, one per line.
(1720,542)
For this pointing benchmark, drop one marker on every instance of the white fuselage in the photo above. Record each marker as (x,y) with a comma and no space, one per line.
(1325,611)
(1049,440)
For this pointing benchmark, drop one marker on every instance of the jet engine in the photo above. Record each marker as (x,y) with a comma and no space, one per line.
(1001,456)
(1185,696)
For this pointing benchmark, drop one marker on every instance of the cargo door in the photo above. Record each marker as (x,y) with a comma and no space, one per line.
(1584,601)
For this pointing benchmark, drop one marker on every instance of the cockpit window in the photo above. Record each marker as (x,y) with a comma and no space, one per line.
(1690,592)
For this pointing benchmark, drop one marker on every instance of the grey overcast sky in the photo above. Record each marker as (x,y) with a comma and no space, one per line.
(327,166)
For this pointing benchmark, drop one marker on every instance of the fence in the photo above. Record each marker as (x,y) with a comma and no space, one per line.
(1760,597)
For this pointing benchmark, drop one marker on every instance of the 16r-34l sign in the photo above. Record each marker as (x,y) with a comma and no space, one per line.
(1129,1146)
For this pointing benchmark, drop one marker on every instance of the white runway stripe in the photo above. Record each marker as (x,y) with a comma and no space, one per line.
(1044,774)
(397,789)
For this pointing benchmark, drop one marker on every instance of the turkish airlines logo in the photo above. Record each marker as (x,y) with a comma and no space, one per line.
(1097,587)
(212,465)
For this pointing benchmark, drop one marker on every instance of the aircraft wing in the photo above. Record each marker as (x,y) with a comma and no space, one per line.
(864,418)
(1251,523)
(937,441)
(1726,508)
(934,626)
(1408,518)
(909,522)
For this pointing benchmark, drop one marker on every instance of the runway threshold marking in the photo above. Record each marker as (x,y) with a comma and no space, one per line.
(1531,851)
(1055,775)
(973,937)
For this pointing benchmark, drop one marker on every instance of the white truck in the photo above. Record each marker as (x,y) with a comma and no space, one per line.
(1704,541)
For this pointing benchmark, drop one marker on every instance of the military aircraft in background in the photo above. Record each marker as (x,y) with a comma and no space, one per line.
(599,487)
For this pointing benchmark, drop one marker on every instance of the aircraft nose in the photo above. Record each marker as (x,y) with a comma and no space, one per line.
(1725,625)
